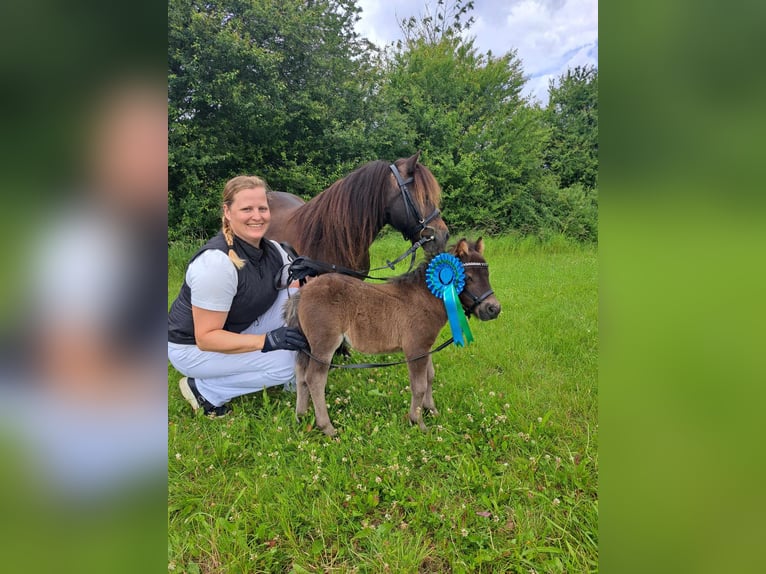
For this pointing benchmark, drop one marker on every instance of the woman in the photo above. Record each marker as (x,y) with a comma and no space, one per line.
(228,314)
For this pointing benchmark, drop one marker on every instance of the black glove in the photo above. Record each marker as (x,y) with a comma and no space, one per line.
(285,338)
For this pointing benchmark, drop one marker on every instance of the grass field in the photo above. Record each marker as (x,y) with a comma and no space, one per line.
(505,480)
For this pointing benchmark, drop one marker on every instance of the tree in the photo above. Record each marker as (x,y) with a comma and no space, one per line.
(440,21)
(465,111)
(279,88)
(572,112)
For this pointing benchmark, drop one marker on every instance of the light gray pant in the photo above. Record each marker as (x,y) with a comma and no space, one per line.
(222,376)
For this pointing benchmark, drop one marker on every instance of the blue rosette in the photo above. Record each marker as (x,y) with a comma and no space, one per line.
(445,278)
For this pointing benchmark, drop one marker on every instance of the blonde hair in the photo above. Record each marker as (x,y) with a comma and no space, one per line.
(232,187)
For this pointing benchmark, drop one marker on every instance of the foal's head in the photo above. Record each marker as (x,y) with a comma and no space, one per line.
(477,297)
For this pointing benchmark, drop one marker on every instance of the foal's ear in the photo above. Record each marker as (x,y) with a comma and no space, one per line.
(461,248)
(412,161)
(480,245)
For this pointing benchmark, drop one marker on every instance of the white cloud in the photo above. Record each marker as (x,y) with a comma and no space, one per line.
(380,19)
(544,34)
(550,36)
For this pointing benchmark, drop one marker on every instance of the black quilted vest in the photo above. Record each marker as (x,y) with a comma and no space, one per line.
(255,289)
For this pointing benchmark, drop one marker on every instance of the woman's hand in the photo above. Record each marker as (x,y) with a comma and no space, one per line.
(286,338)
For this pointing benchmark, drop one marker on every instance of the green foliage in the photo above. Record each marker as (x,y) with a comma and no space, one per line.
(549,209)
(275,88)
(288,90)
(464,110)
(572,153)
(505,480)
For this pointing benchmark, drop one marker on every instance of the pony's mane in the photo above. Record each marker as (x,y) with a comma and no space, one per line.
(347,214)
(356,208)
(417,275)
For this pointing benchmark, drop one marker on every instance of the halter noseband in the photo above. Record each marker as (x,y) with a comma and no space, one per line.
(409,204)
(476,301)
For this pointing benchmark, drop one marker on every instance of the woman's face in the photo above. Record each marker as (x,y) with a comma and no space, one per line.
(249,215)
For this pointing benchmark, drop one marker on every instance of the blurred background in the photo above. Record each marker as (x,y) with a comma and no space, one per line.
(83,250)
(682,239)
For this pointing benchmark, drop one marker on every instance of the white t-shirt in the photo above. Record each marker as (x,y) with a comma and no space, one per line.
(213,279)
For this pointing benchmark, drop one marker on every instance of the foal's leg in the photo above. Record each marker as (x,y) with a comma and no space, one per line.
(418,383)
(316,380)
(302,398)
(428,400)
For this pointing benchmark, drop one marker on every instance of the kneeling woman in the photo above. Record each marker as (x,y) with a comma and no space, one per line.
(228,313)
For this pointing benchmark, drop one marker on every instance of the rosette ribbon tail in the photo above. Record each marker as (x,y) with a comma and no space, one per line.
(454,314)
(465,328)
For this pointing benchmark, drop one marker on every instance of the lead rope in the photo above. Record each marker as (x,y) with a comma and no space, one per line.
(301,267)
(411,251)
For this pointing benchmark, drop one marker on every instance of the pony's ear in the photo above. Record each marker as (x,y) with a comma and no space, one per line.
(461,249)
(480,245)
(412,161)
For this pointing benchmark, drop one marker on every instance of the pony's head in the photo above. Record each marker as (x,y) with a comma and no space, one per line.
(477,297)
(412,204)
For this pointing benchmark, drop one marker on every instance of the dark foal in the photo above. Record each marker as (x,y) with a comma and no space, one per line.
(399,315)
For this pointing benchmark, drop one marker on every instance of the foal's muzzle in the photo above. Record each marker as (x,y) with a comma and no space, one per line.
(489,310)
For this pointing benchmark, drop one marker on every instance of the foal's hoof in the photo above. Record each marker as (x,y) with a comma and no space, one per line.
(330,431)
(420,424)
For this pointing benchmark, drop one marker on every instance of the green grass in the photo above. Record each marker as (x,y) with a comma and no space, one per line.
(505,480)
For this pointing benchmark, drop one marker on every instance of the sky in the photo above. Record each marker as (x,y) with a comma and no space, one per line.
(550,36)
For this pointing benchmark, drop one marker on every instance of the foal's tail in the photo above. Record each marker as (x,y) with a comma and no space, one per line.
(290,311)
(290,316)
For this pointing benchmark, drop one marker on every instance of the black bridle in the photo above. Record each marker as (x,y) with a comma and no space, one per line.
(414,232)
(475,301)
